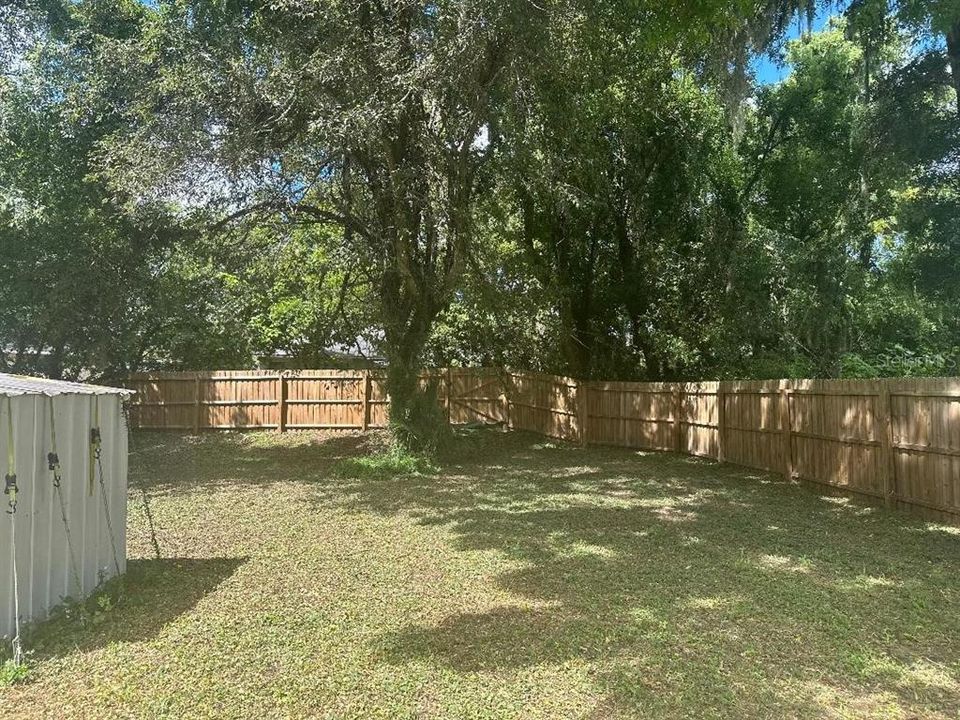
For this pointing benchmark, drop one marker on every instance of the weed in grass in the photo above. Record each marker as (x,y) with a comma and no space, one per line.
(11,673)
(92,610)
(392,463)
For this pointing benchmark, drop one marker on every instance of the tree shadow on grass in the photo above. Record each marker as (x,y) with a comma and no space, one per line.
(215,460)
(137,606)
(686,582)
(682,584)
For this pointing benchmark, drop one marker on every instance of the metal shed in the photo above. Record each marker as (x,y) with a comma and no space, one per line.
(64,451)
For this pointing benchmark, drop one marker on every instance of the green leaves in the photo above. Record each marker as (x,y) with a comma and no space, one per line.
(586,187)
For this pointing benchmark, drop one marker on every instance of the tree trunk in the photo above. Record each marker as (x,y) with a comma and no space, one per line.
(416,422)
(402,384)
(576,344)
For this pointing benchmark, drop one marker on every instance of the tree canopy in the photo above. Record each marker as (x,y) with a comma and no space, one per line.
(602,189)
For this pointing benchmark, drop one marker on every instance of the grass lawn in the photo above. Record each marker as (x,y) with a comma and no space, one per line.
(520,579)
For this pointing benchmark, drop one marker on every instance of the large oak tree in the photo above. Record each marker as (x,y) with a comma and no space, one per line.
(374,116)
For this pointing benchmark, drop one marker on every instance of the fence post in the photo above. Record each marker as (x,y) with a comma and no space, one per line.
(448,380)
(365,410)
(623,417)
(887,462)
(721,421)
(197,406)
(786,429)
(281,403)
(676,417)
(582,410)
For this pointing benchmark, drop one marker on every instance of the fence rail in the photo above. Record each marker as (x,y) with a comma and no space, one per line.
(895,441)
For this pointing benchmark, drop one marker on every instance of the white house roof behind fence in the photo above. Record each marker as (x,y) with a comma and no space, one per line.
(26,385)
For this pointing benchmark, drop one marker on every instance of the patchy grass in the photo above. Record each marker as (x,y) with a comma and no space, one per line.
(381,465)
(518,578)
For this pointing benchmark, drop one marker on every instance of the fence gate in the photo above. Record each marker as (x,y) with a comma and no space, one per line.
(476,395)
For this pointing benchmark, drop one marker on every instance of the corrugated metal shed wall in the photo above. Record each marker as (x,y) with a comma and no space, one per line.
(43,567)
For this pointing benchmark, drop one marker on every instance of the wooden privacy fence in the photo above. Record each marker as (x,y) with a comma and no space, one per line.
(892,440)
(298,399)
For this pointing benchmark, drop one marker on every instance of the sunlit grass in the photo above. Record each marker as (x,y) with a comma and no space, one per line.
(309,576)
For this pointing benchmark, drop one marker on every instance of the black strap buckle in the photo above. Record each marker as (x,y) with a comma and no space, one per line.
(10,488)
(95,441)
(53,464)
